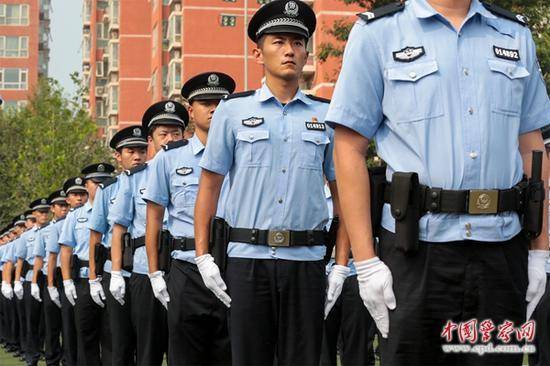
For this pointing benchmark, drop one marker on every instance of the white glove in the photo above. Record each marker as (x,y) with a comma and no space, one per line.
(70,291)
(375,287)
(537,279)
(212,278)
(159,288)
(7,291)
(96,291)
(54,296)
(18,289)
(336,278)
(35,292)
(117,286)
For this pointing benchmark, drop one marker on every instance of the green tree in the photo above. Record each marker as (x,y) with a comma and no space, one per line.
(537,11)
(43,144)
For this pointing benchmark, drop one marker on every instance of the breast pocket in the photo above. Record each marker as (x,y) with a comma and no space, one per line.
(185,194)
(412,92)
(506,85)
(253,148)
(312,150)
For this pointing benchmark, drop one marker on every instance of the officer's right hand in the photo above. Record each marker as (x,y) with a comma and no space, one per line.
(375,287)
(18,289)
(54,296)
(35,292)
(159,288)
(70,291)
(212,278)
(336,279)
(117,286)
(7,291)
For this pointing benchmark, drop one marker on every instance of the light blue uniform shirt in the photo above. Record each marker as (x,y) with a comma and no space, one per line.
(25,248)
(129,210)
(103,203)
(52,243)
(276,167)
(173,182)
(2,251)
(9,253)
(76,234)
(453,115)
(39,249)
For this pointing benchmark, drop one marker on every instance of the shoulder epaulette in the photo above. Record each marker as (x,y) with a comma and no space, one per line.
(136,169)
(382,11)
(107,182)
(174,144)
(240,95)
(318,99)
(501,12)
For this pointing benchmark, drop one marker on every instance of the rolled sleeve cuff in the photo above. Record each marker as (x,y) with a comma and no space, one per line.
(534,122)
(67,244)
(156,199)
(122,221)
(344,117)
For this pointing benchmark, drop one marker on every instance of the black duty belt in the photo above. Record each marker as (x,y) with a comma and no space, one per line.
(182,244)
(473,202)
(138,242)
(278,238)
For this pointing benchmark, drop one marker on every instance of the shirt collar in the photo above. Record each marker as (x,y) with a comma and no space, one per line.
(87,206)
(196,144)
(422,9)
(265,94)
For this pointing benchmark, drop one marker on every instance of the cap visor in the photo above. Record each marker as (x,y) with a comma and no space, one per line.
(278,29)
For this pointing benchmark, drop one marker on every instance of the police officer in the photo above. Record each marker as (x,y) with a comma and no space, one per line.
(130,148)
(76,196)
(451,91)
(33,308)
(277,150)
(197,326)
(74,238)
(52,305)
(128,215)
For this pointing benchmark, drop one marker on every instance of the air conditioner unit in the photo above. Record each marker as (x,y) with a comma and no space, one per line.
(99,90)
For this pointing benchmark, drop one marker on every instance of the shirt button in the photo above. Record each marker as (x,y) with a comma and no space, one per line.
(284,113)
(412,74)
(284,170)
(466,71)
(280,200)
(470,110)
(251,137)
(473,154)
(285,139)
(468,226)
(468,233)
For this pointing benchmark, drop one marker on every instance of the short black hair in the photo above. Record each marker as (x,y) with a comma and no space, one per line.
(155,126)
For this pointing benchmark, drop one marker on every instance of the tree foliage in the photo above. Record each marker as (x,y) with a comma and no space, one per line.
(43,144)
(537,11)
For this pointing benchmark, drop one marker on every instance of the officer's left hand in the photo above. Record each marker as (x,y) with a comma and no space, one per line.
(212,278)
(117,286)
(537,279)
(96,292)
(7,291)
(18,289)
(35,292)
(336,279)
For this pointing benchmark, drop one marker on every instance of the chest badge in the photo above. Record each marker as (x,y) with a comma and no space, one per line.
(409,54)
(253,121)
(315,125)
(82,219)
(507,54)
(184,171)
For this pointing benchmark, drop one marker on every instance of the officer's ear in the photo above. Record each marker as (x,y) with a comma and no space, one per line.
(257,51)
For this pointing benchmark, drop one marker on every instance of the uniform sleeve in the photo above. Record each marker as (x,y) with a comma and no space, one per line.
(67,236)
(21,247)
(357,99)
(98,216)
(6,256)
(157,189)
(535,111)
(52,244)
(122,211)
(328,164)
(39,244)
(218,154)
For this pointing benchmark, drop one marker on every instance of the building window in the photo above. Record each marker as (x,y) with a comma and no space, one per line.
(228,20)
(113,55)
(174,31)
(87,11)
(13,79)
(114,11)
(263,2)
(100,31)
(113,98)
(14,104)
(14,46)
(86,47)
(99,69)
(14,14)
(174,77)
(100,108)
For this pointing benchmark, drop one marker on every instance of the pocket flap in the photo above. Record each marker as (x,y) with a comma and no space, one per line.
(187,181)
(316,138)
(412,72)
(253,135)
(509,69)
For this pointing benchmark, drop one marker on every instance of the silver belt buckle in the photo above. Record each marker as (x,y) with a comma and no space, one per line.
(483,202)
(278,238)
